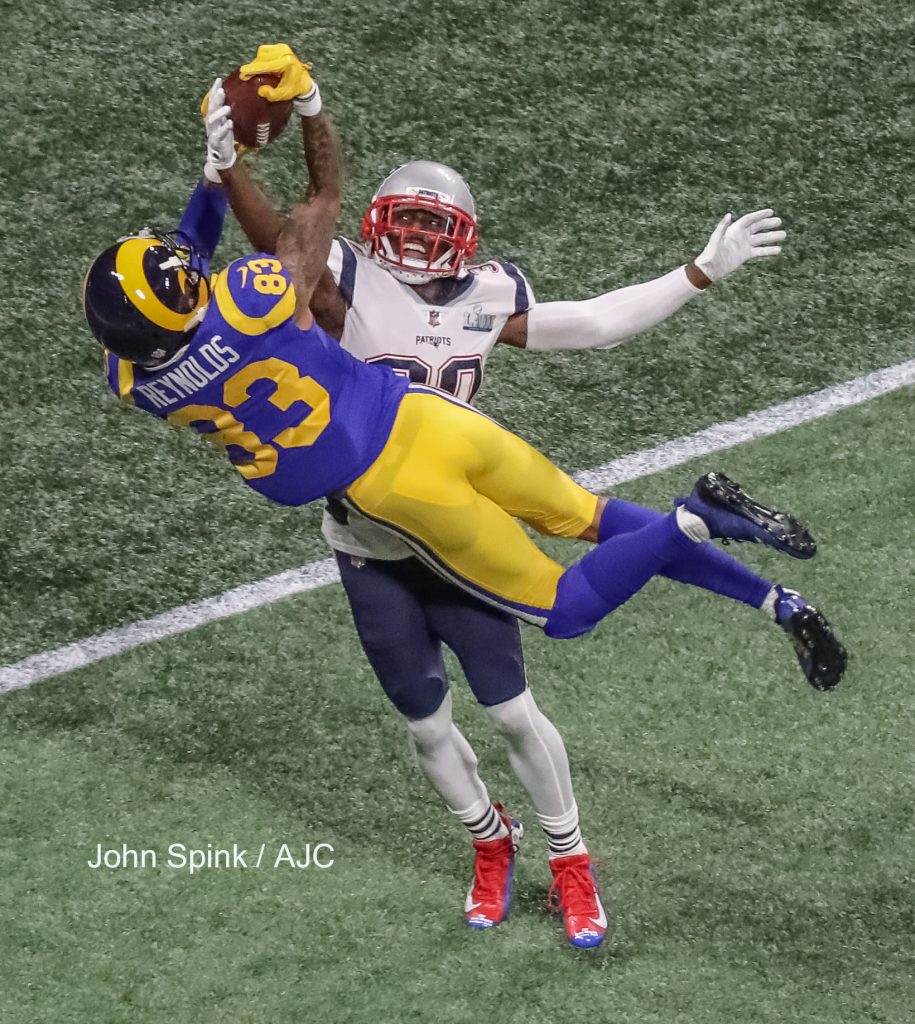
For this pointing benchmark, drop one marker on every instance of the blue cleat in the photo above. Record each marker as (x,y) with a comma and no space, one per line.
(821,655)
(731,514)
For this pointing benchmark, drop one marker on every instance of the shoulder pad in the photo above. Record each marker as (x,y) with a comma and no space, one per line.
(342,264)
(335,258)
(522,294)
(254,294)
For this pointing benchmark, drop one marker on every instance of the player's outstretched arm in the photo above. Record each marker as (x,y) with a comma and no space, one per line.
(253,210)
(608,320)
(297,84)
(303,244)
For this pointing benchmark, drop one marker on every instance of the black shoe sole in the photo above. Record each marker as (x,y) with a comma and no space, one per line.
(792,538)
(823,658)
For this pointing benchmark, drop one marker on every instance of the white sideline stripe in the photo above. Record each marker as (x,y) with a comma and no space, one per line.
(179,620)
(757,424)
(769,421)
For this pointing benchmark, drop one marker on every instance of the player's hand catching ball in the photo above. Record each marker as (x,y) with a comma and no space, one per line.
(295,82)
(733,242)
(221,150)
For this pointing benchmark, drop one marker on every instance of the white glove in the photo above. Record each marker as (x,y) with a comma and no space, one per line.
(221,153)
(731,245)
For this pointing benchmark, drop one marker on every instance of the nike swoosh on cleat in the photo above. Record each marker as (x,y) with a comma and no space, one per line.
(601,921)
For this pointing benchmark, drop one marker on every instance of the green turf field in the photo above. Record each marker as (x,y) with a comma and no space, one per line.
(757,837)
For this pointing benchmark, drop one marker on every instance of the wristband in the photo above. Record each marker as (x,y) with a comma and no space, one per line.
(308,105)
(211,174)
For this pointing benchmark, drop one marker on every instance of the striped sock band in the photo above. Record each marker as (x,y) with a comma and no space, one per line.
(563,833)
(483,821)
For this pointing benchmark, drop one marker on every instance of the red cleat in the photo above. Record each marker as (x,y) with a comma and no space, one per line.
(574,891)
(494,862)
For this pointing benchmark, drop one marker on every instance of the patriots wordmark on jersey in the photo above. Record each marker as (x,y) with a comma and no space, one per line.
(444,346)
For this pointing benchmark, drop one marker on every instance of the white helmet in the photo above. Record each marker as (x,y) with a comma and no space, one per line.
(415,252)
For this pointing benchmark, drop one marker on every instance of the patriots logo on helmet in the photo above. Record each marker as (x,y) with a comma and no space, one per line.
(428,193)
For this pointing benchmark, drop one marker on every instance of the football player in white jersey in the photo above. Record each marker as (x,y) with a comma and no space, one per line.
(407,296)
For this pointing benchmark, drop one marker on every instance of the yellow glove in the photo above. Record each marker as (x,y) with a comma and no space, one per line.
(278,58)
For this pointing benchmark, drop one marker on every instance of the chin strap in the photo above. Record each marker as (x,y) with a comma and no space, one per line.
(198,316)
(404,274)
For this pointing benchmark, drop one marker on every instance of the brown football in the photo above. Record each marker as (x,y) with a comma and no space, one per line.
(257,121)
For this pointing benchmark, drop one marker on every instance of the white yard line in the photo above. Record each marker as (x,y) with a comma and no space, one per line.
(776,418)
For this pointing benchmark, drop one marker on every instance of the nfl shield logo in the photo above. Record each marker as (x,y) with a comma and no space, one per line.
(435,318)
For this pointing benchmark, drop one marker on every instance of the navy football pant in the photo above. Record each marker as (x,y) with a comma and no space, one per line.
(404,612)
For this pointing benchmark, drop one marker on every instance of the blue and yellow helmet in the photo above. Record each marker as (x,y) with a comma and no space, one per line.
(145,295)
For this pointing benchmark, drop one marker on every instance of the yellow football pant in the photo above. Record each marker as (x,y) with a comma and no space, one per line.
(450,481)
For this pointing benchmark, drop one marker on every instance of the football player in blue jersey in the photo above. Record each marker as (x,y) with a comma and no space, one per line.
(238,356)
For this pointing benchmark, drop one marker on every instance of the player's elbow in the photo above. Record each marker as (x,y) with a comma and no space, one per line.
(327,201)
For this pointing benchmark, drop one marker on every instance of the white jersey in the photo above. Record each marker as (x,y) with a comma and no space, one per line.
(444,346)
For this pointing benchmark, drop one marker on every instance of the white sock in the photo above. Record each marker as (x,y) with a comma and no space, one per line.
(448,760)
(563,834)
(483,820)
(692,525)
(539,759)
(768,606)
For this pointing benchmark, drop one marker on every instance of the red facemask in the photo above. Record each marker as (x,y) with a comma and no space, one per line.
(444,250)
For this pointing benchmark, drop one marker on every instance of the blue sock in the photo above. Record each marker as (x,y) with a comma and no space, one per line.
(611,573)
(703,565)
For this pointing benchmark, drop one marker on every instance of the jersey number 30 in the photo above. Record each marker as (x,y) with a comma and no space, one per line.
(461,376)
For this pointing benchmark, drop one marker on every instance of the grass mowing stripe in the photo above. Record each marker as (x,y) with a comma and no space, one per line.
(769,421)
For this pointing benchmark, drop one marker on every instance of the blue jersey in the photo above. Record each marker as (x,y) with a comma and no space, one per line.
(298,416)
